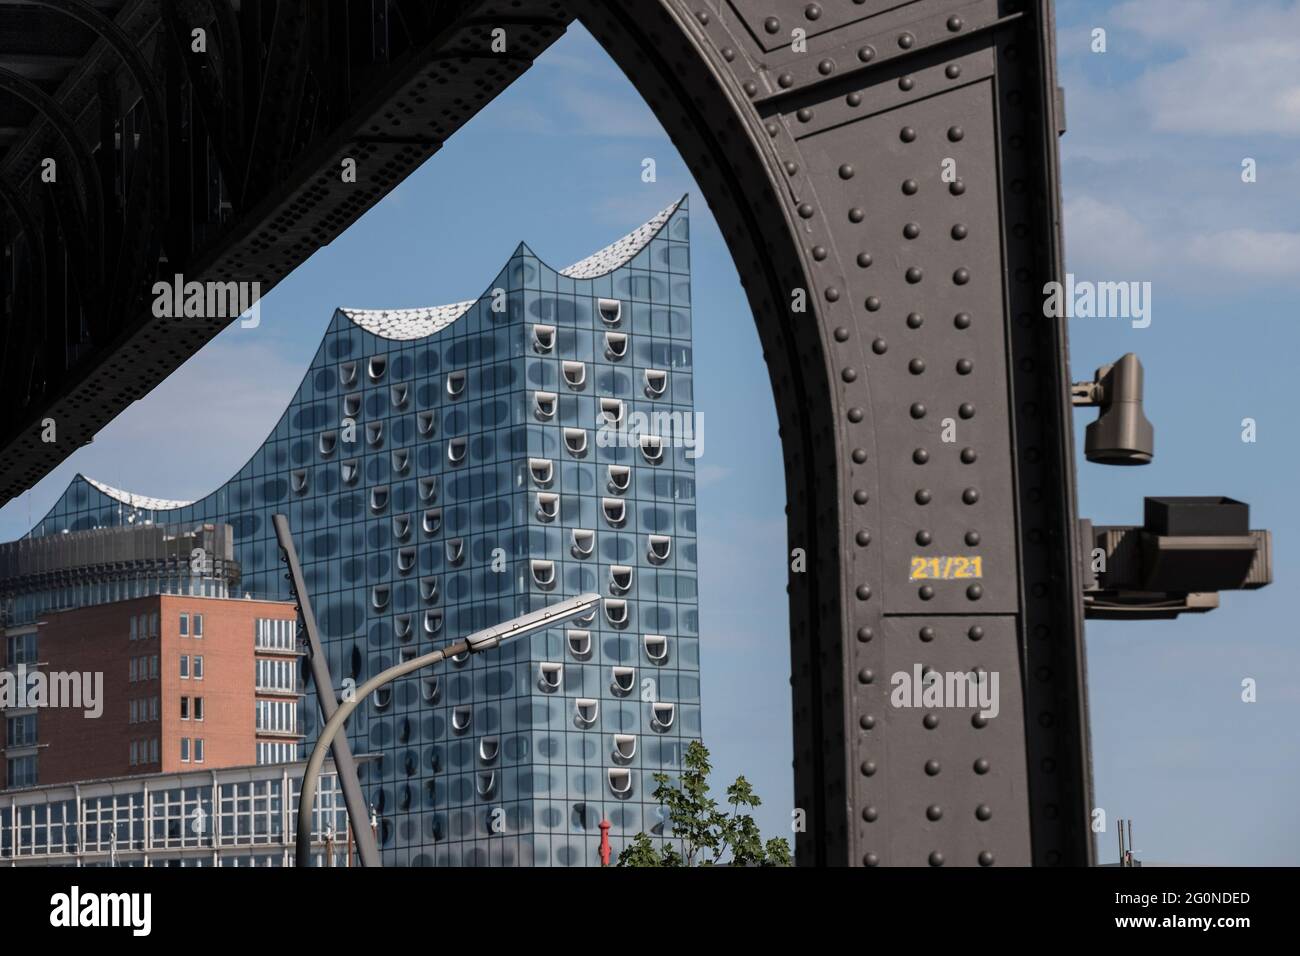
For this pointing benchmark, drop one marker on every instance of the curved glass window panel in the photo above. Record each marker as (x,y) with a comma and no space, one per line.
(543,338)
(405,560)
(658,548)
(379,596)
(656,648)
(584,543)
(620,781)
(347,373)
(542,471)
(624,747)
(402,626)
(378,499)
(486,784)
(622,680)
(550,676)
(432,622)
(548,506)
(429,589)
(620,478)
(376,368)
(611,411)
(349,470)
(430,689)
(610,310)
(456,384)
(401,461)
(579,643)
(399,395)
(382,697)
(652,448)
(543,572)
(615,346)
(662,715)
(455,550)
(352,405)
(460,659)
(575,439)
(616,612)
(575,374)
(425,421)
(432,521)
(428,488)
(460,718)
(401,527)
(620,578)
(615,510)
(457,450)
(586,710)
(375,434)
(298,480)
(328,442)
(656,382)
(544,405)
(488,749)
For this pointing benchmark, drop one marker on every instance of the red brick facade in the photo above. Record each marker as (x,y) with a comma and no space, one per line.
(72,747)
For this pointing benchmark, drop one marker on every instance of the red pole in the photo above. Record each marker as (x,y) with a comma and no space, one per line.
(604,843)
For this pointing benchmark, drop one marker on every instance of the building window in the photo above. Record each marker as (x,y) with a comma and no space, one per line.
(185,625)
(21,649)
(22,771)
(135,712)
(185,666)
(185,750)
(153,750)
(198,667)
(153,624)
(198,750)
(135,627)
(153,667)
(135,752)
(276,675)
(21,731)
(198,708)
(277,716)
(198,626)
(134,669)
(153,708)
(185,708)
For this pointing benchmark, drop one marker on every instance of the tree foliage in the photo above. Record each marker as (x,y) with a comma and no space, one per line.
(710,835)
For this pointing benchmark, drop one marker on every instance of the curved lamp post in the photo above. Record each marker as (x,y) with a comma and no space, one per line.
(475,643)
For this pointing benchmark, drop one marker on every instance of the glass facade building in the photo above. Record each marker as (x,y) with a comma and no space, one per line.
(447,468)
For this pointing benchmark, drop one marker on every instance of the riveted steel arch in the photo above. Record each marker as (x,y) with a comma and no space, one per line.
(891,169)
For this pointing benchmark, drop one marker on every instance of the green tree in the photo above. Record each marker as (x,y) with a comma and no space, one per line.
(710,835)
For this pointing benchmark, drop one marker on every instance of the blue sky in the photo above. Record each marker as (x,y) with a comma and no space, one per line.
(1159,126)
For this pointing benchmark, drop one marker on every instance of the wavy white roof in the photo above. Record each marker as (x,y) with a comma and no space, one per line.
(143,502)
(403,325)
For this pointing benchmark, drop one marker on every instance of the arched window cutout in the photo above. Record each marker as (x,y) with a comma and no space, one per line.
(432,622)
(379,596)
(620,781)
(615,346)
(382,697)
(620,478)
(624,747)
(579,643)
(459,659)
(352,405)
(378,498)
(622,680)
(586,620)
(429,689)
(328,442)
(455,550)
(658,548)
(486,783)
(456,384)
(461,717)
(408,653)
(543,338)
(347,373)
(611,310)
(575,439)
(544,405)
(376,368)
(550,676)
(575,374)
(615,510)
(428,488)
(620,578)
(489,748)
(375,433)
(584,543)
(349,471)
(398,395)
(457,450)
(542,470)
(652,448)
(405,560)
(662,715)
(402,626)
(656,648)
(429,589)
(611,411)
(543,573)
(616,611)
(298,480)
(548,506)
(585,711)
(432,520)
(401,460)
(656,382)
(401,527)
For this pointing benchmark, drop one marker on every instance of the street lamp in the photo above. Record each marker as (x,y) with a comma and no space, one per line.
(474,644)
